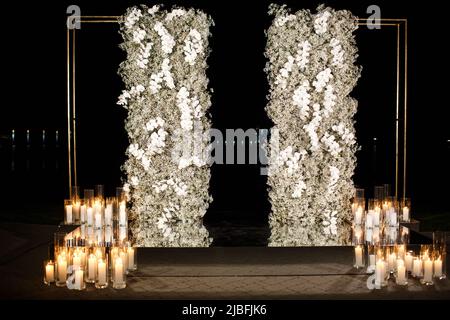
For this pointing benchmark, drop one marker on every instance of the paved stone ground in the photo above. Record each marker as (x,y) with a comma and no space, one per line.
(204,273)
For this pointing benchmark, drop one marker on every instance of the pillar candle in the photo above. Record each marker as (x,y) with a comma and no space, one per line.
(358,215)
(380,272)
(76,211)
(401,251)
(124,256)
(358,257)
(76,261)
(62,268)
(392,261)
(130,257)
(372,260)
(122,214)
(428,270)
(122,233)
(69,213)
(118,270)
(405,214)
(83,214)
(90,216)
(108,234)
(98,220)
(409,261)
(369,218)
(83,258)
(92,264)
(438,267)
(101,272)
(108,214)
(376,216)
(401,272)
(98,253)
(417,267)
(49,272)
(79,274)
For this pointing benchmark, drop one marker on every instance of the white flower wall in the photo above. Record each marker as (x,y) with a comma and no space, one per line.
(166,95)
(311,71)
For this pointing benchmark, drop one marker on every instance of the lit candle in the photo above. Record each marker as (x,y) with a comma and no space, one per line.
(380,272)
(79,274)
(90,216)
(369,218)
(372,261)
(76,211)
(69,213)
(409,261)
(417,267)
(98,219)
(108,214)
(118,270)
(76,261)
(49,272)
(101,272)
(358,257)
(62,268)
(92,264)
(401,251)
(122,214)
(405,214)
(122,233)
(82,258)
(428,270)
(401,272)
(98,253)
(438,267)
(130,257)
(83,214)
(393,216)
(392,261)
(376,216)
(124,256)
(358,215)
(108,234)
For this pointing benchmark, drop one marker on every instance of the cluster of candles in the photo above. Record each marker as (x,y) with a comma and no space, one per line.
(102,220)
(74,267)
(380,223)
(395,262)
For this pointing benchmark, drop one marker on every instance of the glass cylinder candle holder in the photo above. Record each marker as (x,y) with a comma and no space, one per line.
(400,250)
(49,272)
(440,267)
(120,194)
(371,259)
(83,213)
(77,280)
(391,258)
(409,258)
(401,275)
(132,257)
(101,279)
(68,212)
(405,209)
(61,270)
(89,196)
(358,234)
(417,268)
(359,261)
(118,273)
(59,243)
(425,251)
(75,196)
(387,190)
(375,211)
(381,274)
(91,269)
(378,193)
(427,277)
(109,211)
(98,214)
(358,209)
(99,192)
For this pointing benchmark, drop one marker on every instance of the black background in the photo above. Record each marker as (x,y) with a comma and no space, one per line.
(34,98)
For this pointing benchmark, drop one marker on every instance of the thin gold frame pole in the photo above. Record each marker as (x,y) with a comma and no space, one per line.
(74,119)
(69,155)
(405,115)
(397,111)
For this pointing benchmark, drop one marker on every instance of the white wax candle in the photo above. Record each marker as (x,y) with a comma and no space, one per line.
(83,258)
(101,272)
(99,235)
(376,216)
(124,256)
(393,216)
(79,279)
(108,234)
(358,256)
(428,270)
(108,214)
(98,220)
(122,214)
(69,218)
(369,235)
(401,251)
(438,267)
(76,261)
(76,210)
(409,261)
(372,260)
(417,267)
(62,268)
(392,261)
(130,258)
(369,218)
(122,233)
(376,234)
(49,272)
(118,270)
(90,216)
(380,272)
(401,273)
(405,214)
(358,215)
(83,214)
(92,264)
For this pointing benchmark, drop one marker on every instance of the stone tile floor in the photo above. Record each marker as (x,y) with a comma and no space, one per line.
(204,273)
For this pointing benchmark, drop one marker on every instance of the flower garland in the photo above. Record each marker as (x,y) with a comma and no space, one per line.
(310,179)
(165,68)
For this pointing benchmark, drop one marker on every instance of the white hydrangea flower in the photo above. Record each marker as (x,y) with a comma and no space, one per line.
(151,11)
(284,72)
(132,17)
(165,75)
(302,98)
(138,35)
(302,57)
(175,13)
(193,46)
(321,22)
(329,100)
(311,128)
(298,189)
(334,178)
(142,59)
(322,78)
(330,222)
(337,52)
(332,146)
(281,21)
(167,41)
(134,181)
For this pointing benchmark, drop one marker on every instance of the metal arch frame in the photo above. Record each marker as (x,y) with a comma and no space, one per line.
(392,22)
